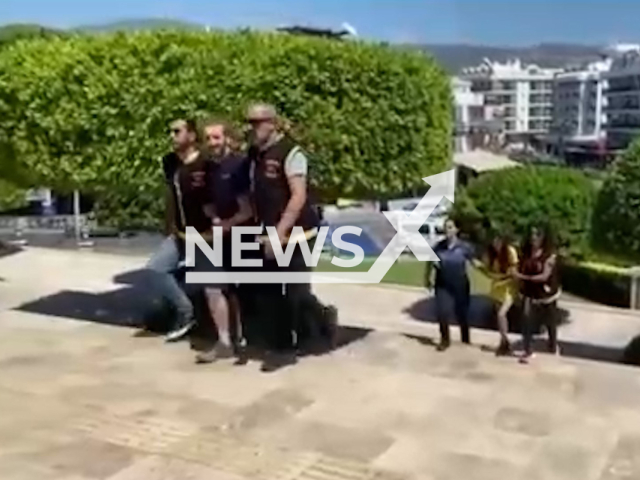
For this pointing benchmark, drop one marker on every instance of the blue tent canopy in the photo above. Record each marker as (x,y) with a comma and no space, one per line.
(364,241)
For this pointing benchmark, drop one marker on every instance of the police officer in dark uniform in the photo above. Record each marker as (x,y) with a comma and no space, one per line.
(186,171)
(280,196)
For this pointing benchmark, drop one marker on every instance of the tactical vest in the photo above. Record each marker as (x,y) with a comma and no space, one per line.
(271,192)
(537,290)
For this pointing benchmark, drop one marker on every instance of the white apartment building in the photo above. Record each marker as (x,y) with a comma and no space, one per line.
(623,97)
(469,113)
(521,96)
(579,109)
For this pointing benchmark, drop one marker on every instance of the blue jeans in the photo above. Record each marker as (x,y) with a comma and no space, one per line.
(163,265)
(453,302)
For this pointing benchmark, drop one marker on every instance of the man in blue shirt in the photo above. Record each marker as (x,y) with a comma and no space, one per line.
(230,206)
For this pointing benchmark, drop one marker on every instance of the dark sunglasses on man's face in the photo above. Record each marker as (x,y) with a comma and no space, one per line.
(254,122)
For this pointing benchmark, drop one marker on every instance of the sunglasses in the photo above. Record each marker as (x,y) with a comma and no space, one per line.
(257,121)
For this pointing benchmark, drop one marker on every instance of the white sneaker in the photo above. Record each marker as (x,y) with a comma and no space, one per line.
(179,332)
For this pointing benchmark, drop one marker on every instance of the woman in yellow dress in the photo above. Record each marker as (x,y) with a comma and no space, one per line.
(500,263)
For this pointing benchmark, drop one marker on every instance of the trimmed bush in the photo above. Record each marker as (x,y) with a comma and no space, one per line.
(514,199)
(598,282)
(616,219)
(11,196)
(92,111)
(631,354)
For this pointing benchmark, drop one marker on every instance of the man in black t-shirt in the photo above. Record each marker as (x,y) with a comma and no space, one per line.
(187,174)
(229,207)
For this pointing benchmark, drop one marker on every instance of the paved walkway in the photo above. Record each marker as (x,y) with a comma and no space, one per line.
(85,401)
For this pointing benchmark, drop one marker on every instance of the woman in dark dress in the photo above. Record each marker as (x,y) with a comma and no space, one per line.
(540,290)
(452,291)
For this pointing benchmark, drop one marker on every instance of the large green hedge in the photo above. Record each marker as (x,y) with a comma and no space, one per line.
(11,196)
(616,220)
(514,199)
(602,283)
(92,111)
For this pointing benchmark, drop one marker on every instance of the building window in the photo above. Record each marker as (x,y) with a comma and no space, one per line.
(505,85)
(541,85)
(623,84)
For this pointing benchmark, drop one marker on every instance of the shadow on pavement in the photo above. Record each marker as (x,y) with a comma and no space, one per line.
(481,316)
(481,313)
(138,306)
(7,249)
(125,307)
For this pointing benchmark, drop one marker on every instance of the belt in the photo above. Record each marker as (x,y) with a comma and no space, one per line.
(545,301)
(305,235)
(206,235)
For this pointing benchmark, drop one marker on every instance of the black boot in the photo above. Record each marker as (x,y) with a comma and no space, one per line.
(504,349)
(275,361)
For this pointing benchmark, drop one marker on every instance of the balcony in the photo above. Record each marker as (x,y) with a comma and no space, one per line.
(624,121)
(624,103)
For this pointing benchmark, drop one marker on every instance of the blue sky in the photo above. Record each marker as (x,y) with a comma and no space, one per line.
(495,22)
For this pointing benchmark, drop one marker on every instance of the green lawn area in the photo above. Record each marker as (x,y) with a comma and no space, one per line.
(406,271)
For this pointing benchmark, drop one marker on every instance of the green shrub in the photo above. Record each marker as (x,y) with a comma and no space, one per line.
(601,283)
(92,111)
(11,196)
(631,354)
(467,217)
(616,219)
(516,198)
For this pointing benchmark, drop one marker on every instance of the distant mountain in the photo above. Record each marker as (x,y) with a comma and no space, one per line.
(141,24)
(454,57)
(16,31)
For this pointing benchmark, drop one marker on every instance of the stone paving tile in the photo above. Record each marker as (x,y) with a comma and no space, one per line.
(533,423)
(600,386)
(590,429)
(123,399)
(143,433)
(14,467)
(559,461)
(410,455)
(339,442)
(276,406)
(624,462)
(456,466)
(207,414)
(84,457)
(239,456)
(167,468)
(495,444)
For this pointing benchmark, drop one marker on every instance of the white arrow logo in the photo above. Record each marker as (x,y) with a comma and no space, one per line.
(407,227)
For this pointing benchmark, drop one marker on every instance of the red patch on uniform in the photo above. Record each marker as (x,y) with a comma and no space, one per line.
(197,179)
(271,168)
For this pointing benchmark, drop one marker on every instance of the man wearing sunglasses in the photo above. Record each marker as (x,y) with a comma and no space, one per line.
(186,172)
(280,195)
